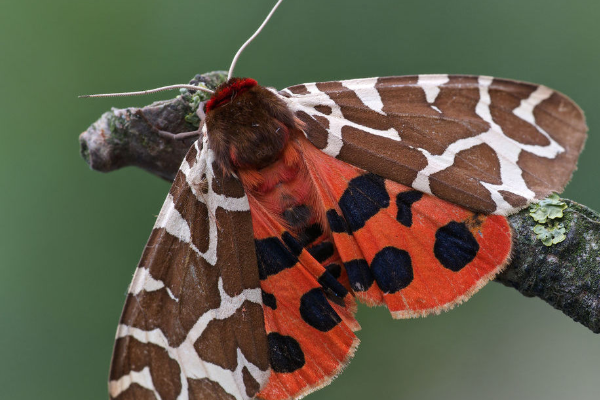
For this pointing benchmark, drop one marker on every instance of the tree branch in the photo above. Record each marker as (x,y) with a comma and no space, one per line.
(565,275)
(129,136)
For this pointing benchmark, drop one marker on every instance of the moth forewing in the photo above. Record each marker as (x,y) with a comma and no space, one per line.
(196,284)
(491,145)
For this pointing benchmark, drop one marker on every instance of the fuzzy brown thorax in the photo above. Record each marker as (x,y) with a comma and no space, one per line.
(248,125)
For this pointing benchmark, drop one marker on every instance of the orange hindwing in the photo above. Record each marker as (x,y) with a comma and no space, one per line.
(327,233)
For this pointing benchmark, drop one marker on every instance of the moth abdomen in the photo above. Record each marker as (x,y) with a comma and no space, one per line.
(285,189)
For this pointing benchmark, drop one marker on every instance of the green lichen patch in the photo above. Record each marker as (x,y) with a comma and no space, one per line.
(550,234)
(549,213)
(550,208)
(194,102)
(209,80)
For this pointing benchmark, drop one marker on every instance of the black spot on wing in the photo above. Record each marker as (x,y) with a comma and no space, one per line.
(359,274)
(392,269)
(321,251)
(297,216)
(273,256)
(269,300)
(362,199)
(337,223)
(455,246)
(310,234)
(404,202)
(329,283)
(317,312)
(291,242)
(285,353)
(334,269)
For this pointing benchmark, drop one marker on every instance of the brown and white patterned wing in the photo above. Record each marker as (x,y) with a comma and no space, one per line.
(192,326)
(491,145)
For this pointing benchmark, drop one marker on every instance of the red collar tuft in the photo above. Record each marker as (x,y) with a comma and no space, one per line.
(227,92)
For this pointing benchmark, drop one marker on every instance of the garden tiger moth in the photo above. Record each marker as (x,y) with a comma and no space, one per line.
(292,204)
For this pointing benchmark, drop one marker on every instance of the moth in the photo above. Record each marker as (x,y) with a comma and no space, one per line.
(295,204)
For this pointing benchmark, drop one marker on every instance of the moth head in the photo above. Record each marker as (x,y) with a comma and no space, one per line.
(248,125)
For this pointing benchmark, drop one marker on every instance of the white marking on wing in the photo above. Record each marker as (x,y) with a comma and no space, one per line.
(142,280)
(366,92)
(307,104)
(431,86)
(142,378)
(170,219)
(258,374)
(155,336)
(229,305)
(192,366)
(525,112)
(525,109)
(171,295)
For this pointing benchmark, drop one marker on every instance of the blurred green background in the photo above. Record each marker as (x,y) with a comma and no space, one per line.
(70,237)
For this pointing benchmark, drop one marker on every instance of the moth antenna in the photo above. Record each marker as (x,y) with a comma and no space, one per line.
(149,91)
(260,28)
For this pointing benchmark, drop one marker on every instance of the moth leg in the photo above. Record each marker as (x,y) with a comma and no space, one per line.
(176,136)
(169,135)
